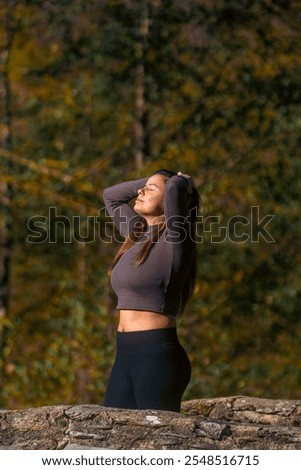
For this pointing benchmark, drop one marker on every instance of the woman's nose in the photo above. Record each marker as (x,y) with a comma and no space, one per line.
(141,190)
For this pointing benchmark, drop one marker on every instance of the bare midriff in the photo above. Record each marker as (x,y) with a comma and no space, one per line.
(137,320)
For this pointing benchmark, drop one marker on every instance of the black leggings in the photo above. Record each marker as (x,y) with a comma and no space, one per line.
(151,371)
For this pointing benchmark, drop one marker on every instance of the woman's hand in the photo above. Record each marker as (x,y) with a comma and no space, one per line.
(189,181)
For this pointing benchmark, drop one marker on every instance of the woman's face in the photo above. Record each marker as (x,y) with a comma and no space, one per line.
(149,202)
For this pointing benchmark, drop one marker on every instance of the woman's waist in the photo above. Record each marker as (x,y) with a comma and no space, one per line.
(141,320)
(146,340)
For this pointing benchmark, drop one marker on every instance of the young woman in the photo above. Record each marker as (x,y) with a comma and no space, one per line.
(153,275)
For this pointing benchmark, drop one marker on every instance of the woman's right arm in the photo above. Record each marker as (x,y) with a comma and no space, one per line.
(117,198)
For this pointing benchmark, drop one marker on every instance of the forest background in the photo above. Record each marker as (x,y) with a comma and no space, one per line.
(96,92)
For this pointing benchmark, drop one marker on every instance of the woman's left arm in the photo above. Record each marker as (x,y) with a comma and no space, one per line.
(177,189)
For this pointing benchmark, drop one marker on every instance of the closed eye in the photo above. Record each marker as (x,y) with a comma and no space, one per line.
(152,186)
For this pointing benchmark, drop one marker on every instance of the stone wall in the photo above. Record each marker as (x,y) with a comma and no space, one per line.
(221,423)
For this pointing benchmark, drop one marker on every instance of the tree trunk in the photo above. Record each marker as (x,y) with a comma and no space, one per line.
(141,121)
(6,189)
(222,423)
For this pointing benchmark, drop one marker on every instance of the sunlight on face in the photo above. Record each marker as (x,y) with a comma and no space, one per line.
(149,202)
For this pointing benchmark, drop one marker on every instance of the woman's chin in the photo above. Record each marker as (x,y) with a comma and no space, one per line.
(138,209)
(138,205)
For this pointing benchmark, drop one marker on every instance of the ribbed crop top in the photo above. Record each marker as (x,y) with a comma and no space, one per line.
(155,285)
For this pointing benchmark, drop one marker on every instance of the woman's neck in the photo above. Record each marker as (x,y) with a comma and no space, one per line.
(152,221)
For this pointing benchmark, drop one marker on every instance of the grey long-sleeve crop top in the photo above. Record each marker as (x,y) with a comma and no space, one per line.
(156,284)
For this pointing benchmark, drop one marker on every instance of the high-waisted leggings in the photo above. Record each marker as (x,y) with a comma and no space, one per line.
(151,371)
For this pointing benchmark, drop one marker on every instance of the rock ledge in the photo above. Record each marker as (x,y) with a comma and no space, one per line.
(220,423)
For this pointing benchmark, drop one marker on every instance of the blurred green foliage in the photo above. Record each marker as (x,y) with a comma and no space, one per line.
(221,90)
